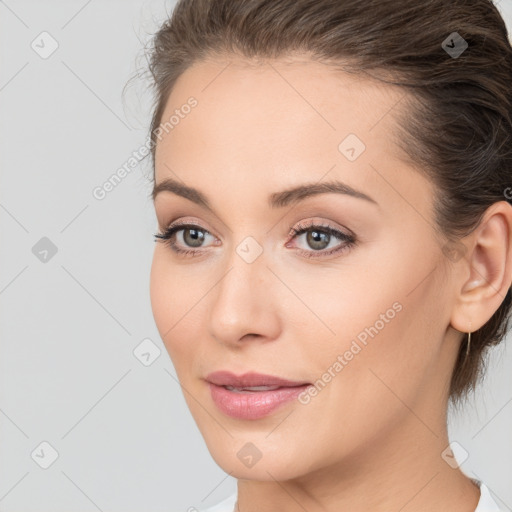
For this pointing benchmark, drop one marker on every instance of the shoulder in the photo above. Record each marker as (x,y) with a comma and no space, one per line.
(486,502)
(226,505)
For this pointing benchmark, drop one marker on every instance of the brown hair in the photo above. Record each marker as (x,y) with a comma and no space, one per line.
(457,129)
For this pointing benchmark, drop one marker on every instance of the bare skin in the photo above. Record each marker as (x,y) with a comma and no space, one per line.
(373,437)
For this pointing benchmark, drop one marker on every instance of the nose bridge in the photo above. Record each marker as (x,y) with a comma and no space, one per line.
(241,301)
(246,268)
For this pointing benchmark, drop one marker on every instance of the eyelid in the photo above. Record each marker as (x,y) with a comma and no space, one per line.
(185,221)
(325,225)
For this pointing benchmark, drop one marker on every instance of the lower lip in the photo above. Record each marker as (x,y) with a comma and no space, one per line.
(252,405)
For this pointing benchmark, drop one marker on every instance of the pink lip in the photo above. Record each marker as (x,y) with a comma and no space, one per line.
(251,405)
(225,378)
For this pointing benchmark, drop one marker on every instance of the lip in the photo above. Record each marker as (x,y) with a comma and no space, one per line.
(226,378)
(252,405)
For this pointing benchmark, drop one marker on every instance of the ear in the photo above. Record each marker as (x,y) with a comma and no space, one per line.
(485,270)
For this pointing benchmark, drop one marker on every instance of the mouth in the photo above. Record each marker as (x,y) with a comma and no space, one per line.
(251,380)
(252,396)
(252,389)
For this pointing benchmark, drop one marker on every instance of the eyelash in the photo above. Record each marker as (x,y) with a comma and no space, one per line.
(350,240)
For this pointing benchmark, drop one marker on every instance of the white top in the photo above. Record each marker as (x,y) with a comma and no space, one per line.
(485,504)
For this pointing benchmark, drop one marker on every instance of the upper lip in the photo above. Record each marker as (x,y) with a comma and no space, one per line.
(225,378)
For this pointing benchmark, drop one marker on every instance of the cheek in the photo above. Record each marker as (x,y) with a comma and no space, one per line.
(360,374)
(172,303)
(372,332)
(158,292)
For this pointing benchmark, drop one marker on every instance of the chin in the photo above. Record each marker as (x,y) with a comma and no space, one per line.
(267,469)
(257,457)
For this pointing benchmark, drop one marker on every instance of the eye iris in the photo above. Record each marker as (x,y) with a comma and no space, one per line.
(197,237)
(314,237)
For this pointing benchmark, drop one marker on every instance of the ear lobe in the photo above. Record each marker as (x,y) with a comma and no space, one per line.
(487,271)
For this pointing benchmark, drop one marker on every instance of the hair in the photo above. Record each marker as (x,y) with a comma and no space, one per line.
(457,124)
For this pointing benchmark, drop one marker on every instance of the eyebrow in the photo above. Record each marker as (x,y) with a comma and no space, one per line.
(281,199)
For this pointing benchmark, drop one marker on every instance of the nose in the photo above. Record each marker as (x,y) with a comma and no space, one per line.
(244,302)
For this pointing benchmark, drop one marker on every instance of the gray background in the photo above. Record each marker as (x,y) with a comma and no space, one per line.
(70,323)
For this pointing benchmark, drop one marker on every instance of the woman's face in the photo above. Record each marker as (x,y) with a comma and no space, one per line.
(362,315)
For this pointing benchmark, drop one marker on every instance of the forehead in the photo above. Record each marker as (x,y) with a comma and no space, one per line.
(289,104)
(261,125)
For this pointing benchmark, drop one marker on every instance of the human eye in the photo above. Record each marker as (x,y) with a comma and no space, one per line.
(319,238)
(186,238)
(187,234)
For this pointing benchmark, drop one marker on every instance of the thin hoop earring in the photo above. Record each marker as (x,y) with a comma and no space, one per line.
(468,344)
